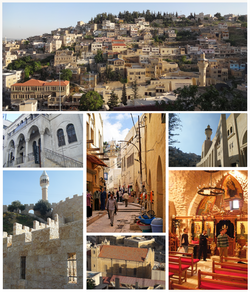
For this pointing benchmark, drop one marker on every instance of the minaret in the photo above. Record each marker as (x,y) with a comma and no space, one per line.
(112,155)
(208,142)
(44,183)
(202,65)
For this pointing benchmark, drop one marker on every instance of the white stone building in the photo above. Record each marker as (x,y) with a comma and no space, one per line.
(45,140)
(229,146)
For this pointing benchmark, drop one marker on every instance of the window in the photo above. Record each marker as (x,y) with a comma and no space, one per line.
(71,268)
(60,137)
(235,205)
(23,267)
(120,270)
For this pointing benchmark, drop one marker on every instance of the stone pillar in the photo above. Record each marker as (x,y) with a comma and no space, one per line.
(224,146)
(42,148)
(26,150)
(15,161)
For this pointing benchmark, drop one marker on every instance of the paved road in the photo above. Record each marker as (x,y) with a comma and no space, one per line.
(121,221)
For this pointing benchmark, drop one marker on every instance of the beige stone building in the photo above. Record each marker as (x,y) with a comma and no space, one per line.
(64,57)
(122,260)
(150,176)
(136,72)
(39,90)
(10,78)
(53,46)
(53,250)
(229,146)
(95,165)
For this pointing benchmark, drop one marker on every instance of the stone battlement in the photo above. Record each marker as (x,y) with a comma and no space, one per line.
(22,234)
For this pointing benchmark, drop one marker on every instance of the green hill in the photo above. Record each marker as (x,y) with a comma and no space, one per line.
(9,218)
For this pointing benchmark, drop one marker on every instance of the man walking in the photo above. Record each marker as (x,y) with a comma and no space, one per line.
(222,243)
(111,208)
(203,245)
(125,197)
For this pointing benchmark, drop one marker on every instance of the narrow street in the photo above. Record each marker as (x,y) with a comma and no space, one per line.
(122,220)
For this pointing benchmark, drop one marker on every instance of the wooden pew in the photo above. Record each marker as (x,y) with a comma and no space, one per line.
(220,282)
(178,268)
(234,266)
(230,259)
(186,258)
(173,286)
(216,268)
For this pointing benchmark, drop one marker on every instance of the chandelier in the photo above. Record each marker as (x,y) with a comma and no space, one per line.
(210,190)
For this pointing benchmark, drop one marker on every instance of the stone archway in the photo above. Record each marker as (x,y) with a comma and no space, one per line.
(159,197)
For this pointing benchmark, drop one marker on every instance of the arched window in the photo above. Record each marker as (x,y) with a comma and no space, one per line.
(71,133)
(60,137)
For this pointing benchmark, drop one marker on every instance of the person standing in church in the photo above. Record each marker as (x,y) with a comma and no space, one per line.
(184,240)
(203,245)
(222,243)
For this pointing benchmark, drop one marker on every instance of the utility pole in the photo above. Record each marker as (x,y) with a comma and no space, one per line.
(60,92)
(140,149)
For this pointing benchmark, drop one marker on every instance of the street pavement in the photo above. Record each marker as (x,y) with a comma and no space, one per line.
(121,221)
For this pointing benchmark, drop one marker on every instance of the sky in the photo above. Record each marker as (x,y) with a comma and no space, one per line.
(116,126)
(192,134)
(25,19)
(25,185)
(12,117)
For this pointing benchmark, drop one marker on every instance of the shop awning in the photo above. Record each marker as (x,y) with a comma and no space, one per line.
(95,160)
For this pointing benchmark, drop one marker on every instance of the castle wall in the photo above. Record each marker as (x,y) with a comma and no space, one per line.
(46,249)
(69,210)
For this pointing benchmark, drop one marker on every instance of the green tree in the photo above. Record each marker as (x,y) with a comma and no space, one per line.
(99,57)
(174,124)
(90,284)
(42,206)
(26,73)
(66,74)
(124,94)
(135,89)
(91,101)
(16,206)
(113,100)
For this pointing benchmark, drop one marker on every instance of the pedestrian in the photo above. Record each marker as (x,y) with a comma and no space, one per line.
(184,240)
(97,200)
(120,195)
(117,196)
(111,208)
(203,245)
(103,199)
(125,197)
(222,243)
(89,204)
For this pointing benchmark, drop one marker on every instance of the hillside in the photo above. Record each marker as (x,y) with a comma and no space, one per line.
(179,158)
(9,218)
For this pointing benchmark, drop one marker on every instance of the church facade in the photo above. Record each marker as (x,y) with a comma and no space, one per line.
(44,140)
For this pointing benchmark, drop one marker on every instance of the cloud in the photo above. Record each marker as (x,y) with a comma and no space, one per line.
(114,131)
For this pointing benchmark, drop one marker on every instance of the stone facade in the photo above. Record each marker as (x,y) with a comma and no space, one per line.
(59,136)
(229,146)
(47,256)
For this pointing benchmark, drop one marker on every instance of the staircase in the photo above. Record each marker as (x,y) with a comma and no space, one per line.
(61,160)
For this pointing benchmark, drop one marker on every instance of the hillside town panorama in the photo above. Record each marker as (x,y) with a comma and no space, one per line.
(130,61)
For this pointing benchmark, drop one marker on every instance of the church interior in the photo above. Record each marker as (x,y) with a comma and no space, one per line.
(211,207)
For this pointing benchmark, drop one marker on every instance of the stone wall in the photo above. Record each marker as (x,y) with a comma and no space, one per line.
(69,210)
(46,248)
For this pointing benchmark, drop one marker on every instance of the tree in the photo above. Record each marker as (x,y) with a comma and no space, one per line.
(174,124)
(113,100)
(90,284)
(91,101)
(135,89)
(16,206)
(43,207)
(99,57)
(124,95)
(66,74)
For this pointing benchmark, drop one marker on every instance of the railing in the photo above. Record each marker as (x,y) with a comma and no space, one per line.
(25,122)
(19,160)
(62,160)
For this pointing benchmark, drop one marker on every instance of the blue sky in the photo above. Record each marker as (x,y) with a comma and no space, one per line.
(192,134)
(21,20)
(116,126)
(25,185)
